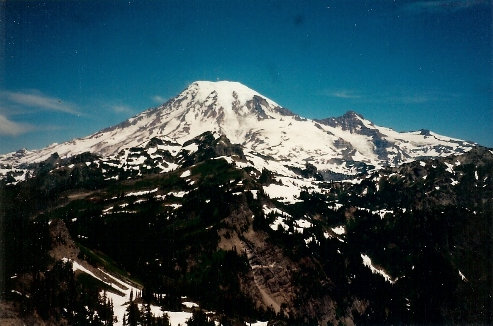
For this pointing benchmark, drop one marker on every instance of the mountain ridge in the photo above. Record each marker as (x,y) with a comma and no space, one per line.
(223,226)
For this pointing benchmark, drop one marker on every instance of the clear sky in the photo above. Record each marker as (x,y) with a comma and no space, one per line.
(71,68)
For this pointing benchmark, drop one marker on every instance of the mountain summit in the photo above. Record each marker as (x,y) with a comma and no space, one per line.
(343,145)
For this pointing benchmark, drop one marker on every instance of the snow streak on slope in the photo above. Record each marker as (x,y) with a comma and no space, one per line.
(245,117)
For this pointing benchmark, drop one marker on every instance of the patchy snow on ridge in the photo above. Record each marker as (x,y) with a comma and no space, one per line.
(462,276)
(141,193)
(367,262)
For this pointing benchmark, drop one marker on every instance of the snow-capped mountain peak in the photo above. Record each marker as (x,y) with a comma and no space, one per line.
(223,93)
(343,145)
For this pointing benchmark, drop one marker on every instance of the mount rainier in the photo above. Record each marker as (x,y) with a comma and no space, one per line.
(337,147)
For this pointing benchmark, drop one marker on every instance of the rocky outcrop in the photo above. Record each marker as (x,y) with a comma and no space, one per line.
(271,282)
(62,245)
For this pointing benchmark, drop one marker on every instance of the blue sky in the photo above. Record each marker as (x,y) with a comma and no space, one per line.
(71,68)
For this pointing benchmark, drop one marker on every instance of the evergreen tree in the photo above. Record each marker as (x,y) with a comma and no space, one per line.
(133,314)
(148,317)
(162,321)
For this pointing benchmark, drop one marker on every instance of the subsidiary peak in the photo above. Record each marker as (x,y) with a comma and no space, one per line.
(350,121)
(352,115)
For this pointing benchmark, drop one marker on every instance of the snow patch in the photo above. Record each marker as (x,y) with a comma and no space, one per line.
(141,193)
(450,167)
(185,174)
(254,193)
(269,210)
(279,222)
(367,262)
(286,194)
(179,194)
(462,276)
(339,230)
(190,304)
(383,212)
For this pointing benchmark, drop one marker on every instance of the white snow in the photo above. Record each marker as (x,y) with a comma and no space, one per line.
(185,174)
(383,212)
(258,323)
(77,267)
(226,158)
(254,193)
(174,206)
(339,230)
(178,317)
(310,240)
(190,304)
(286,194)
(290,189)
(16,292)
(192,148)
(268,210)
(279,222)
(304,224)
(335,206)
(450,167)
(179,194)
(301,224)
(141,193)
(462,276)
(367,262)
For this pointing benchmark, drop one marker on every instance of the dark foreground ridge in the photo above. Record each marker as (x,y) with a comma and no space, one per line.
(409,244)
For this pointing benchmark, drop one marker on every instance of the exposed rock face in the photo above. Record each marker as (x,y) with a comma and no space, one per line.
(210,146)
(271,282)
(350,121)
(62,244)
(353,122)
